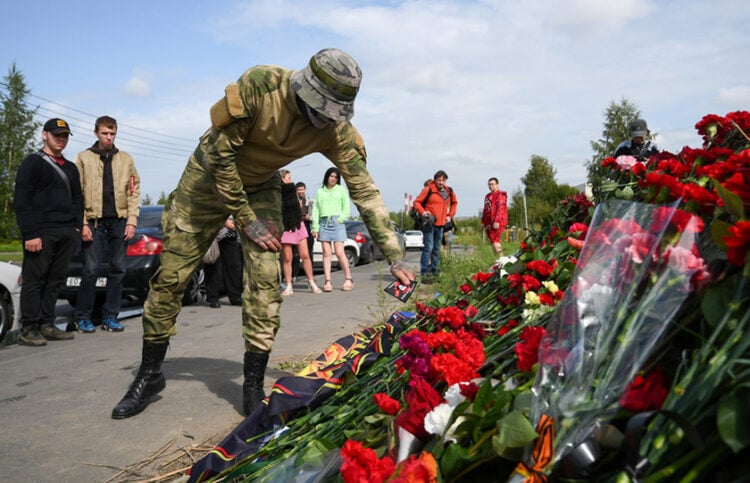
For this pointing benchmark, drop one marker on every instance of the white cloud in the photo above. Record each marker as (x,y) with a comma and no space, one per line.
(139,85)
(472,87)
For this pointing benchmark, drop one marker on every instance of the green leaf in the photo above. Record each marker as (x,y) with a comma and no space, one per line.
(733,419)
(717,299)
(732,201)
(484,398)
(515,431)
(523,402)
(316,449)
(454,459)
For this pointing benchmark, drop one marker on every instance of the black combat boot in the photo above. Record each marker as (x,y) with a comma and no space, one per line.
(252,389)
(148,382)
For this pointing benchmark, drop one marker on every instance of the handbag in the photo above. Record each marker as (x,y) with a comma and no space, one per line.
(213,253)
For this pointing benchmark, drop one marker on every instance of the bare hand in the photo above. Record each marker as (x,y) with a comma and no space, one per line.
(86,234)
(264,235)
(495,226)
(33,245)
(402,272)
(129,232)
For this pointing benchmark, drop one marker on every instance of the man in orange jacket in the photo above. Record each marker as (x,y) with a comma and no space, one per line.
(436,205)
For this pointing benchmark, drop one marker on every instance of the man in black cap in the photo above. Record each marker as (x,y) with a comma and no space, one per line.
(49,213)
(639,146)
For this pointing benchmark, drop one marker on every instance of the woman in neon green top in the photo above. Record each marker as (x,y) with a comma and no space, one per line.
(330,210)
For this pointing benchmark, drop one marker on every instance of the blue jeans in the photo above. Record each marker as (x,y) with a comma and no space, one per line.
(430,261)
(109,234)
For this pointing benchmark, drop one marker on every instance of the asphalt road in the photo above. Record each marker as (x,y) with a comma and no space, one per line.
(55,401)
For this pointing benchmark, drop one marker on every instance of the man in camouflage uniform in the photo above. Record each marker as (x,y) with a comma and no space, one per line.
(270,117)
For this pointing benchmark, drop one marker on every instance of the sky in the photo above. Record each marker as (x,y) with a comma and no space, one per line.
(474,88)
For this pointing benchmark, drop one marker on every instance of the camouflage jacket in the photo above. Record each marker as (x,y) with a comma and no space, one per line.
(257,128)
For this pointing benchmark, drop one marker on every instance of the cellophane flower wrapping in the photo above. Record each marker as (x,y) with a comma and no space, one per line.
(635,271)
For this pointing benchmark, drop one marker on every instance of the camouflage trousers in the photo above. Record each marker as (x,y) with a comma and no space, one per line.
(191,220)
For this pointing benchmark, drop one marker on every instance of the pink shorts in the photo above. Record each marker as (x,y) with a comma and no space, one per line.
(295,237)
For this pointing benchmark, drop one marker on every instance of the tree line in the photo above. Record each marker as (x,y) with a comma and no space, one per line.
(19,136)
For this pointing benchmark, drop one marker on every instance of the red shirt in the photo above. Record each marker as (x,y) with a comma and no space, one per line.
(495,209)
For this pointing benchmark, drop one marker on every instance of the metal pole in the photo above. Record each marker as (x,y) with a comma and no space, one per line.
(525,212)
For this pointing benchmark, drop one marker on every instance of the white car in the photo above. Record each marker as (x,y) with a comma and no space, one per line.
(414,239)
(351,248)
(10,296)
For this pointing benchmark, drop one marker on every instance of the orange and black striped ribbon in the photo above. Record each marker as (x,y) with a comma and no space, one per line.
(543,454)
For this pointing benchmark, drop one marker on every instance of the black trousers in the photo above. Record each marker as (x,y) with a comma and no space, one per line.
(44,273)
(225,276)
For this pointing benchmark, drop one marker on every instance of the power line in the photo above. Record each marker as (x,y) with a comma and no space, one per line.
(138,148)
(95,116)
(85,123)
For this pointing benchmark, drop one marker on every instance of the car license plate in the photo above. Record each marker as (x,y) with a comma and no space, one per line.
(76,282)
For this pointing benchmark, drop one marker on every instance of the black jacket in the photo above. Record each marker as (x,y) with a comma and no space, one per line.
(641,152)
(42,199)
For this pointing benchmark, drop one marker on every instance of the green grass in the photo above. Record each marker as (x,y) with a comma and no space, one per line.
(455,267)
(11,252)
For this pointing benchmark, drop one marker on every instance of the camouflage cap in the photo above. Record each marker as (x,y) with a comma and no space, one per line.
(329,84)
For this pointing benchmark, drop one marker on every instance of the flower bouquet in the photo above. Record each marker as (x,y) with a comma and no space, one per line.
(591,331)
(638,265)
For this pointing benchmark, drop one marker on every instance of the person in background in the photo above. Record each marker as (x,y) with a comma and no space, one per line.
(268,118)
(295,238)
(436,204)
(305,204)
(639,146)
(330,211)
(495,214)
(112,201)
(224,275)
(49,212)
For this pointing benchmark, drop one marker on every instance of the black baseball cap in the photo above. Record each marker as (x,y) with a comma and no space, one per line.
(57,126)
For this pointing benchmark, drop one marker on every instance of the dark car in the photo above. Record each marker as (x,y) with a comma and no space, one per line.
(141,261)
(368,251)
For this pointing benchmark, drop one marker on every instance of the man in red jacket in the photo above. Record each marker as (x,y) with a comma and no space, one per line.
(436,205)
(495,214)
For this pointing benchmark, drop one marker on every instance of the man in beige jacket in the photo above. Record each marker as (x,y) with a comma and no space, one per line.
(111,200)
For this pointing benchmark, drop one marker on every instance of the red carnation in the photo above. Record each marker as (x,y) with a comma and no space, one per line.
(645,393)
(420,398)
(541,267)
(527,350)
(510,325)
(738,242)
(361,465)
(386,403)
(451,316)
(482,277)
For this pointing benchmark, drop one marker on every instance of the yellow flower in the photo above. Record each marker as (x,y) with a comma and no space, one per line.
(532,298)
(551,286)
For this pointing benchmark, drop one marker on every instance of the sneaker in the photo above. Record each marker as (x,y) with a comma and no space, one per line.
(32,337)
(112,325)
(50,332)
(86,326)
